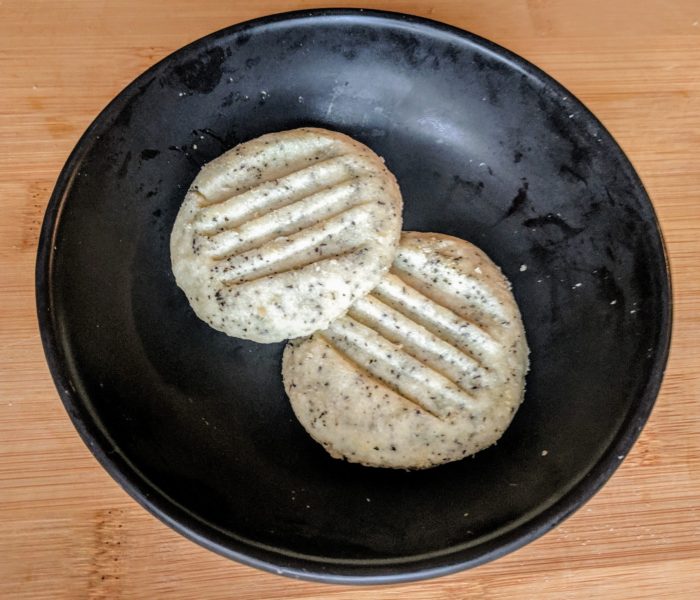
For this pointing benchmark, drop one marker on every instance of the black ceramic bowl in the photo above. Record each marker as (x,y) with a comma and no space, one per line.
(196,426)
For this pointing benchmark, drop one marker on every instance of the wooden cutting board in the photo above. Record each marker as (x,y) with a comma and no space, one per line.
(68,531)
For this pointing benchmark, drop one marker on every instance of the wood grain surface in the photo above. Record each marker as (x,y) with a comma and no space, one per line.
(68,531)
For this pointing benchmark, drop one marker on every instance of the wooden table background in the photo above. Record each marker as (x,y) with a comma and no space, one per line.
(68,531)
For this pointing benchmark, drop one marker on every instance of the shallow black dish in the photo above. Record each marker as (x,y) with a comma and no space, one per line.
(196,426)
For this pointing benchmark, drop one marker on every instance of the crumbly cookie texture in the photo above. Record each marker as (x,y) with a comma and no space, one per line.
(279,235)
(426,369)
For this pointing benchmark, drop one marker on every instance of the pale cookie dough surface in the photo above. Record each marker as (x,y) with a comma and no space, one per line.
(279,235)
(428,368)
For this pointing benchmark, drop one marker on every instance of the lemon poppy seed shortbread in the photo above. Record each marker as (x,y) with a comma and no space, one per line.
(428,368)
(279,235)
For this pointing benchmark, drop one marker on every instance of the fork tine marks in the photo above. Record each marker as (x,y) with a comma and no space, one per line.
(334,235)
(286,221)
(276,193)
(390,364)
(438,354)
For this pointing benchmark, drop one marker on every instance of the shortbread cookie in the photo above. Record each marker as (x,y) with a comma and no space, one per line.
(426,369)
(279,235)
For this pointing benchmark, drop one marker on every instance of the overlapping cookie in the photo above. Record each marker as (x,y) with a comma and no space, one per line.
(279,235)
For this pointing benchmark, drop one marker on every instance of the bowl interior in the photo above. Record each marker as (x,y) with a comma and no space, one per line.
(485,147)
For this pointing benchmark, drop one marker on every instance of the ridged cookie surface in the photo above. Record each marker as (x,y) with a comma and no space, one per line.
(426,369)
(279,235)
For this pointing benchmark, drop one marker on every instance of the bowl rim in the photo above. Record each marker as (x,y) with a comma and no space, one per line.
(303,567)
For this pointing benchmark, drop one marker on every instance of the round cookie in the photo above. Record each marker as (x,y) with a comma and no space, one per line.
(279,235)
(428,368)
